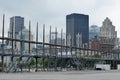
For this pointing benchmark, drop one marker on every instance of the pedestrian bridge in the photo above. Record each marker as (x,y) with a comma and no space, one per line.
(54,57)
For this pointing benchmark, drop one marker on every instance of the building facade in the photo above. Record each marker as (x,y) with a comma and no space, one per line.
(24,35)
(94,44)
(56,38)
(93,31)
(16,25)
(77,24)
(108,29)
(107,35)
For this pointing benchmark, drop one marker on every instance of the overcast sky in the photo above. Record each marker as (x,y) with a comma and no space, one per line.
(53,12)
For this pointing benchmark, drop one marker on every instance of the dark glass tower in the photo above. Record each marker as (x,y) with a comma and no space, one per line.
(17,22)
(77,23)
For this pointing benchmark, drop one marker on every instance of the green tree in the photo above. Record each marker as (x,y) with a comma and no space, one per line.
(32,63)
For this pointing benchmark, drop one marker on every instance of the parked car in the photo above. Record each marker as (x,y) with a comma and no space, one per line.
(102,66)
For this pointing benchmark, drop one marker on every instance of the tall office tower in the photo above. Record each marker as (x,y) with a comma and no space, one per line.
(107,35)
(17,23)
(93,32)
(77,24)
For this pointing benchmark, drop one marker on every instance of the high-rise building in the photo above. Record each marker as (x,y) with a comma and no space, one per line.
(16,25)
(24,35)
(108,29)
(77,24)
(93,31)
(107,35)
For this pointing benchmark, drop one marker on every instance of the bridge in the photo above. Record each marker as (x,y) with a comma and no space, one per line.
(72,58)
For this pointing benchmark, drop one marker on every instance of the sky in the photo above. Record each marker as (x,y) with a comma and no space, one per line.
(53,12)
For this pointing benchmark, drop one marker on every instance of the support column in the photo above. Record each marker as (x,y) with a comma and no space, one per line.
(49,56)
(56,49)
(29,41)
(43,54)
(36,64)
(61,49)
(21,63)
(2,57)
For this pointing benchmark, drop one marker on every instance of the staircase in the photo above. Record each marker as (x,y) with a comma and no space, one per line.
(76,61)
(26,61)
(14,66)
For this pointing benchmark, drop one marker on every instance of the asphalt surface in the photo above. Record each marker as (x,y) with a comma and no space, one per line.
(72,75)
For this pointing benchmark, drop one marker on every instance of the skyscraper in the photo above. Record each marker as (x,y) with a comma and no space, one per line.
(17,23)
(107,35)
(77,24)
(93,31)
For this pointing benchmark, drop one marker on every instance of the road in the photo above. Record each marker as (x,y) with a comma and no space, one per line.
(72,75)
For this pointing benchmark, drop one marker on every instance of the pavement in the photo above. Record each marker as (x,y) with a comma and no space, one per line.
(66,75)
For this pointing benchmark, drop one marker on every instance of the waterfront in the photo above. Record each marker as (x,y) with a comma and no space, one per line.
(72,75)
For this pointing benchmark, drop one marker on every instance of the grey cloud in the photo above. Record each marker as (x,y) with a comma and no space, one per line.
(53,12)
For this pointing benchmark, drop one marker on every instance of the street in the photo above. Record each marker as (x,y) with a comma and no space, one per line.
(73,75)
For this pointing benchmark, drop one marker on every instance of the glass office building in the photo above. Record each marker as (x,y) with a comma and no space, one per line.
(77,23)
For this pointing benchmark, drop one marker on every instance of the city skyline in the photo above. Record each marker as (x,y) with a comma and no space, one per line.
(46,12)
